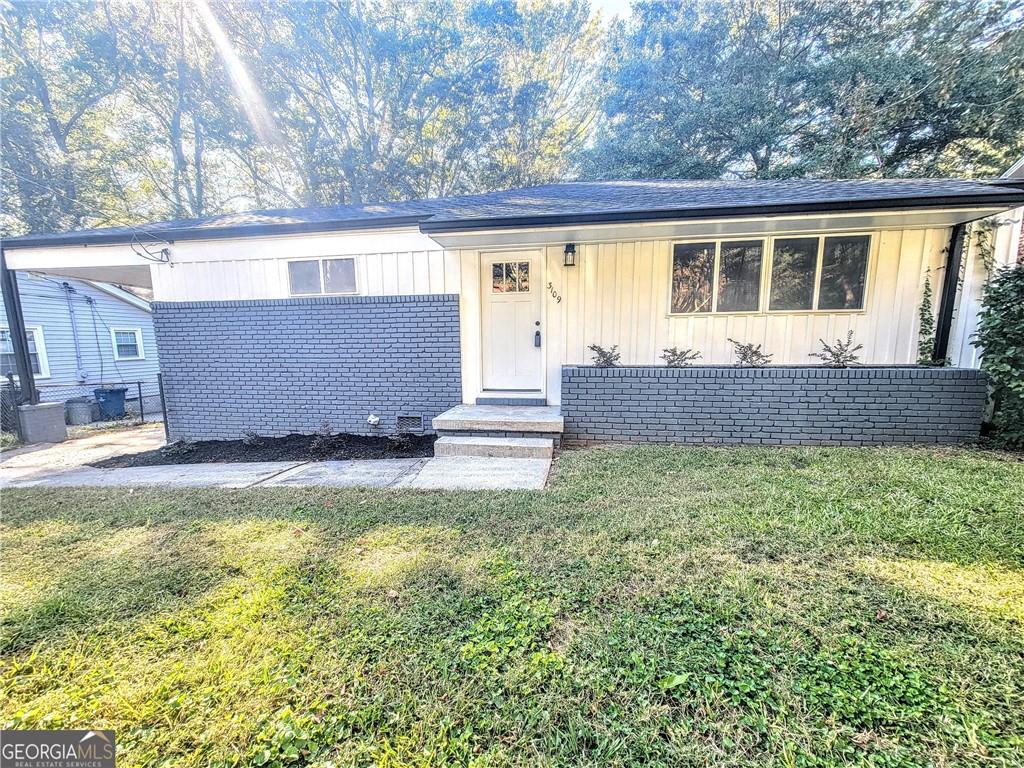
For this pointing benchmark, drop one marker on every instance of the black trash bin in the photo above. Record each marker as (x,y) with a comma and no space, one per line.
(111,402)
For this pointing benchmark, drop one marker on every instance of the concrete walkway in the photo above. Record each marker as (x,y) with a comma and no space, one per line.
(62,465)
(462,473)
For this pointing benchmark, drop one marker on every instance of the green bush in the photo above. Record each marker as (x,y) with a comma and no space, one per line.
(605,358)
(1001,336)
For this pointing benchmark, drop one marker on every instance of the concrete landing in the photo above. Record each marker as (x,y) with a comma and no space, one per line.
(472,473)
(500,418)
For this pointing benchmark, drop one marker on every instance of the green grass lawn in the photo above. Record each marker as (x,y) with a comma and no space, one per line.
(654,606)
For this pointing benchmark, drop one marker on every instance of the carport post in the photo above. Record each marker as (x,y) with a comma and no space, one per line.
(27,392)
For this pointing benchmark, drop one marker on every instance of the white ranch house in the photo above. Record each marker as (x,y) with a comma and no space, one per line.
(472,316)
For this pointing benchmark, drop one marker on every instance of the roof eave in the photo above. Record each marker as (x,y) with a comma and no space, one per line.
(211,233)
(612,217)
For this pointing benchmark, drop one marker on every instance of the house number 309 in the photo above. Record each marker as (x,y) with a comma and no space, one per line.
(554,294)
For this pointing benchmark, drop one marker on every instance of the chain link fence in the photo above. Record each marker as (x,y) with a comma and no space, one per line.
(120,402)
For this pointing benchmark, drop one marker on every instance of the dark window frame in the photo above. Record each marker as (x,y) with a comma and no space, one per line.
(818,264)
(716,274)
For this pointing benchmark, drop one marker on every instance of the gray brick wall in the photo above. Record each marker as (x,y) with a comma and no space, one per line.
(772,406)
(286,366)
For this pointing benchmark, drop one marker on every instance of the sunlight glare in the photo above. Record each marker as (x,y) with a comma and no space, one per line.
(245,87)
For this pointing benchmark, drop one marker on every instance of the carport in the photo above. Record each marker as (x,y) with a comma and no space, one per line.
(126,262)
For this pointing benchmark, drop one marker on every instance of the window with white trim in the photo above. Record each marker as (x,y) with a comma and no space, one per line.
(808,273)
(717,276)
(127,343)
(313,277)
(36,352)
(825,273)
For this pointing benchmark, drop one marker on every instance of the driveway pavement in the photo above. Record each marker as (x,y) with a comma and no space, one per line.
(63,465)
(44,459)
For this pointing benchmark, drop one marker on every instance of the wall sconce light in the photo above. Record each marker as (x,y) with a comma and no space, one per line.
(569,257)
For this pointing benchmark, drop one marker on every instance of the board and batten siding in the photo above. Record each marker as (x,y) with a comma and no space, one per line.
(387,264)
(618,294)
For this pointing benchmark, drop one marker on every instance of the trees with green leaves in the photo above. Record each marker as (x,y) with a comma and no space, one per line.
(800,87)
(124,111)
(177,108)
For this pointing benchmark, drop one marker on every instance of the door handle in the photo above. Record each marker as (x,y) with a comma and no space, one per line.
(536,338)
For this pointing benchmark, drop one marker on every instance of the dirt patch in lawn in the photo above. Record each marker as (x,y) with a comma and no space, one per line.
(290,448)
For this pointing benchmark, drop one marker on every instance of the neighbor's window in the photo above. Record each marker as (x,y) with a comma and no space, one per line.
(127,343)
(823,273)
(733,266)
(316,276)
(36,353)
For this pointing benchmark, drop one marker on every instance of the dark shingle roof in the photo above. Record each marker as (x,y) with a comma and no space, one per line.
(572,203)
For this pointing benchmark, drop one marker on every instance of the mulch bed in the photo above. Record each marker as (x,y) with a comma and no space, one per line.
(290,448)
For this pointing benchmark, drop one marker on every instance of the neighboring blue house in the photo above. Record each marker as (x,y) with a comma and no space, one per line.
(83,335)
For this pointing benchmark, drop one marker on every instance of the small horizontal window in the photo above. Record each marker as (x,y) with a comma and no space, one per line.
(717,277)
(316,276)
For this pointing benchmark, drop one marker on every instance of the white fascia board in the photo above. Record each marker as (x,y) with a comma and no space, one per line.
(722,227)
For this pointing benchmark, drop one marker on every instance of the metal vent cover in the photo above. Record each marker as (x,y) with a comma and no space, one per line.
(406,424)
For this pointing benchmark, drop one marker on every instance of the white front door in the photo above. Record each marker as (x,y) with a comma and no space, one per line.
(512,335)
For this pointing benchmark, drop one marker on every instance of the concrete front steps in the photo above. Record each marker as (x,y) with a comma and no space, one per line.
(499,431)
(496,447)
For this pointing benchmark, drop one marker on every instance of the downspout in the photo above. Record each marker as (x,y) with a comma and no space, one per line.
(68,290)
(947,300)
(27,392)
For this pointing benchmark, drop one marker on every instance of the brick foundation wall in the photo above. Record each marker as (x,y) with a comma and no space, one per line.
(286,366)
(772,406)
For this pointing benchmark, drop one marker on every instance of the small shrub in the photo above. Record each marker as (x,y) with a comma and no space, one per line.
(842,354)
(1000,331)
(605,358)
(679,358)
(750,355)
(250,438)
(323,441)
(179,447)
